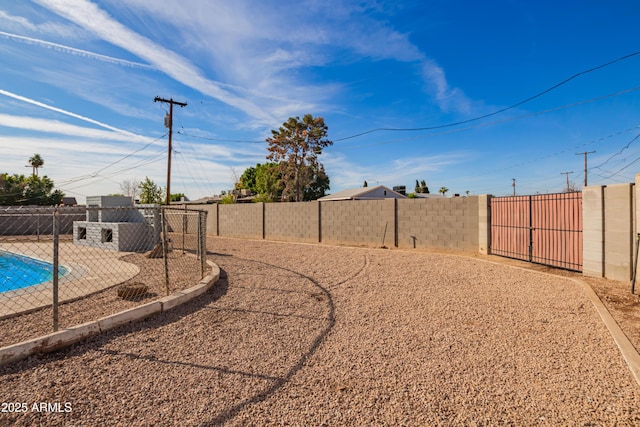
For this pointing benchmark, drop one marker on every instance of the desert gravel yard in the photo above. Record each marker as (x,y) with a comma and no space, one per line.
(299,334)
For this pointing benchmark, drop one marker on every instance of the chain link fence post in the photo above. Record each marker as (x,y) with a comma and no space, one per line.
(165,248)
(56,246)
(202,242)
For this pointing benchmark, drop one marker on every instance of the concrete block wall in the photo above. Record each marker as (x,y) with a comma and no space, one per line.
(593,231)
(618,232)
(609,227)
(241,220)
(122,236)
(299,222)
(24,221)
(358,222)
(484,224)
(444,223)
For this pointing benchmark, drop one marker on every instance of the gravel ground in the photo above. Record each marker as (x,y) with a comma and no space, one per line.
(184,272)
(314,335)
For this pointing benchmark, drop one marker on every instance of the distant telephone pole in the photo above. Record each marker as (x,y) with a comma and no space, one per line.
(567,175)
(168,122)
(513,184)
(585,164)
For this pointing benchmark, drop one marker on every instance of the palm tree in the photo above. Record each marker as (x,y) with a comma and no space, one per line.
(36,162)
(443,190)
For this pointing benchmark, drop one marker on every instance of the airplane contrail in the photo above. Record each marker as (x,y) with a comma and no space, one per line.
(77,51)
(67,113)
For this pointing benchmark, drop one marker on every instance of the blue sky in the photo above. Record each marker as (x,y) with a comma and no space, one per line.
(78,80)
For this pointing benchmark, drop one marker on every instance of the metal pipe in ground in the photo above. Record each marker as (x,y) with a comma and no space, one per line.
(635,265)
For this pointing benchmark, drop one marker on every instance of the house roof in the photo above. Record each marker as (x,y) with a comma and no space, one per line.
(363,193)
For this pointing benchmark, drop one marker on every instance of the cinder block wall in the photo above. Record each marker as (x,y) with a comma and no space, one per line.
(241,220)
(358,222)
(22,221)
(444,223)
(609,224)
(593,231)
(618,231)
(298,222)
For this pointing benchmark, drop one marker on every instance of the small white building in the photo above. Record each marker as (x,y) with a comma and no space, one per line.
(364,193)
(114,223)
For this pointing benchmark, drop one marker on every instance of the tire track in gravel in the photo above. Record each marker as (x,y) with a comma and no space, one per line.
(230,413)
(360,272)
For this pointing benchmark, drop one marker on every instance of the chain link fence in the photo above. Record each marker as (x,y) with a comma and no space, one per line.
(64,266)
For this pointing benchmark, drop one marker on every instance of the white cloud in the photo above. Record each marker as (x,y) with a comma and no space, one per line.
(447,98)
(261,46)
(91,18)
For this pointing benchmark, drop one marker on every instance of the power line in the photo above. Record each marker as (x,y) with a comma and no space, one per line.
(502,110)
(183,132)
(620,151)
(510,119)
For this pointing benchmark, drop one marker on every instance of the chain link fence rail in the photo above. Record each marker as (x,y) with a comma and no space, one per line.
(64,266)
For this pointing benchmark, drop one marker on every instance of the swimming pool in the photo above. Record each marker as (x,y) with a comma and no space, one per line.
(19,271)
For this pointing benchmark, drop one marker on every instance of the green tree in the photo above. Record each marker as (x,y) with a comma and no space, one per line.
(36,162)
(296,145)
(319,184)
(269,185)
(177,197)
(417,188)
(34,190)
(366,184)
(227,199)
(423,187)
(248,179)
(443,190)
(150,193)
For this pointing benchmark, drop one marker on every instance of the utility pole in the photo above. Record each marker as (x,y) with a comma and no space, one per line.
(168,122)
(567,175)
(513,184)
(585,164)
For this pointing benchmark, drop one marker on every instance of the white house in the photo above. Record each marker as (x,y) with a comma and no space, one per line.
(364,193)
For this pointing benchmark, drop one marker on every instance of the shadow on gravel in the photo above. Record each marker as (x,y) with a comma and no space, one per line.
(218,290)
(279,382)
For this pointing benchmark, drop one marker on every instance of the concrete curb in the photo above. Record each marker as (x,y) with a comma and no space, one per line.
(628,351)
(67,337)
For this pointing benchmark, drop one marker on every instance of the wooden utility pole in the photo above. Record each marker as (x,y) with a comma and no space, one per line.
(169,124)
(567,175)
(585,164)
(513,184)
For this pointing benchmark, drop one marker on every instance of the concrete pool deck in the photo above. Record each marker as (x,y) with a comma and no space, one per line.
(89,270)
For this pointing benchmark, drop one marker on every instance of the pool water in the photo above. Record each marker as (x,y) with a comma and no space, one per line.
(19,271)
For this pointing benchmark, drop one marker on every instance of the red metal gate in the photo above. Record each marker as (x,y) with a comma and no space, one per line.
(545,229)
